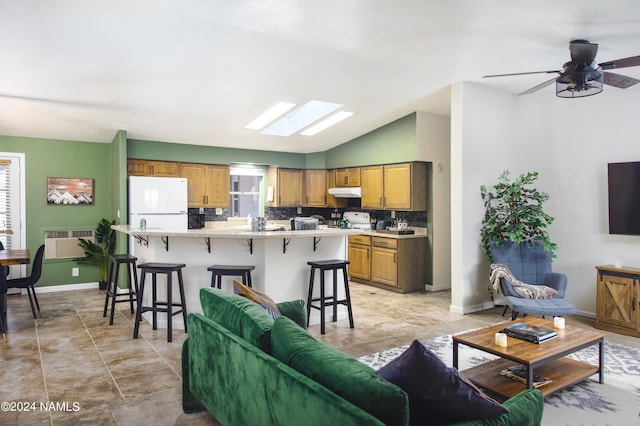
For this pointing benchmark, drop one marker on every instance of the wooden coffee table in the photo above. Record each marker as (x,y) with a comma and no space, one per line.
(547,359)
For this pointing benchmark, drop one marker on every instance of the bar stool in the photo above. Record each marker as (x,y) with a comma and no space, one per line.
(323,266)
(115,260)
(155,268)
(217,271)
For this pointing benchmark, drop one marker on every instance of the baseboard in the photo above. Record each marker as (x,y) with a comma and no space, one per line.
(468,309)
(586,314)
(67,287)
(437,287)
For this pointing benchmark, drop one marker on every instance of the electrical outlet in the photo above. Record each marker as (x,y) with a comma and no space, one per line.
(219,210)
(299,210)
(75,272)
(393,214)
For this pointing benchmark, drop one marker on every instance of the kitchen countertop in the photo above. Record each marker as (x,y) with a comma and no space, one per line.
(230,232)
(418,233)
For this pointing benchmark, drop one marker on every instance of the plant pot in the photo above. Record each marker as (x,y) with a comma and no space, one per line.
(102,285)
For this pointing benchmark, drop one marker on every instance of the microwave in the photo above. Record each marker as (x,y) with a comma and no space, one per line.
(196,221)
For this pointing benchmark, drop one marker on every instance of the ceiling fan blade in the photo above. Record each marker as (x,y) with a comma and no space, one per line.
(618,80)
(538,87)
(632,61)
(522,73)
(583,52)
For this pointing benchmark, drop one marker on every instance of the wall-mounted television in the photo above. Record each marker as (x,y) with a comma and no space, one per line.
(624,198)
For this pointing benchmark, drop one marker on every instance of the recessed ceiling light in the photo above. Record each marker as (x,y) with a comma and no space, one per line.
(300,118)
(328,122)
(267,117)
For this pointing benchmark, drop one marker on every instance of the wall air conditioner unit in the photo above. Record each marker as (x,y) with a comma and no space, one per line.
(64,244)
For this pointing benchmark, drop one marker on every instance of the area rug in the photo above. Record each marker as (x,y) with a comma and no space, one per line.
(616,402)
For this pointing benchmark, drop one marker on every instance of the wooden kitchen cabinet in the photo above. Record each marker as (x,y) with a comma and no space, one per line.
(372,189)
(394,186)
(315,188)
(617,302)
(333,201)
(348,177)
(393,263)
(360,256)
(208,184)
(152,168)
(384,260)
(286,186)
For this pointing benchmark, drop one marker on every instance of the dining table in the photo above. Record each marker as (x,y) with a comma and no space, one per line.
(8,258)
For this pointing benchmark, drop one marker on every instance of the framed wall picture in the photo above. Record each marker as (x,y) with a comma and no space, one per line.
(69,191)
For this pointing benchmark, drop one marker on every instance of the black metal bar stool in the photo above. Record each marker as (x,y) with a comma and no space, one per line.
(155,268)
(323,266)
(115,260)
(218,271)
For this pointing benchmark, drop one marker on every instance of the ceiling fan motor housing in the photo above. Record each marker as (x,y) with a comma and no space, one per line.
(578,80)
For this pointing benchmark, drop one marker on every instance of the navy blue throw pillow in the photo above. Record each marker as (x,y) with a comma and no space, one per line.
(438,395)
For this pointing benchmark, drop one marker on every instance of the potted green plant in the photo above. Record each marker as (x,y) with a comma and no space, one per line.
(513,212)
(97,252)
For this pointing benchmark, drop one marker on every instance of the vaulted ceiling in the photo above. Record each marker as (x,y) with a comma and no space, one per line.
(197,71)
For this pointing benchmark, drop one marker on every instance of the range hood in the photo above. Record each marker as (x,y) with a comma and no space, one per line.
(346,192)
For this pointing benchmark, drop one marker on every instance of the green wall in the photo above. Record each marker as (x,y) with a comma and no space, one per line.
(393,143)
(58,158)
(153,150)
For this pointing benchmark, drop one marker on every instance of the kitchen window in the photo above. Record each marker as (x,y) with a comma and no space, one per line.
(246,191)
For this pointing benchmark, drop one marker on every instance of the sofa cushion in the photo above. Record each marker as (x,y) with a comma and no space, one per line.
(438,395)
(260,298)
(343,375)
(239,315)
(525,409)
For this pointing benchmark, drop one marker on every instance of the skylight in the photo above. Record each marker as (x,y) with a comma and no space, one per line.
(327,122)
(268,116)
(299,118)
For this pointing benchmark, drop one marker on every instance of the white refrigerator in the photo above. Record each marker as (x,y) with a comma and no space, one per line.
(160,201)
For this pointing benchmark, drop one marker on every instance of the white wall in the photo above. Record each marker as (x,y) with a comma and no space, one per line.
(433,135)
(583,136)
(569,141)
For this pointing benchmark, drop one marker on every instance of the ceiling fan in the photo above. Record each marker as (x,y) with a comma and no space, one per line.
(581,76)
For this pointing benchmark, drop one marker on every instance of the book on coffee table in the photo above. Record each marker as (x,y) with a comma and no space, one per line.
(519,374)
(531,333)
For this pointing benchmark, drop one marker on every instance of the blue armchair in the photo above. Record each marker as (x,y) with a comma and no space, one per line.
(531,264)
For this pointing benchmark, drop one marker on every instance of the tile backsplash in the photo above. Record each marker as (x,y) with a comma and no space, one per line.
(417,219)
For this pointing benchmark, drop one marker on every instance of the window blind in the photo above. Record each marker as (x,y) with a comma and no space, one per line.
(5,202)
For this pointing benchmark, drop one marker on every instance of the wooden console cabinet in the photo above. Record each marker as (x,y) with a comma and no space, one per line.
(617,303)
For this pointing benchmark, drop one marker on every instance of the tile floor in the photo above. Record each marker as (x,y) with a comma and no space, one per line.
(95,373)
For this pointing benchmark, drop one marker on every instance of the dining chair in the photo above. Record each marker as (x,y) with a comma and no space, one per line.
(29,282)
(4,270)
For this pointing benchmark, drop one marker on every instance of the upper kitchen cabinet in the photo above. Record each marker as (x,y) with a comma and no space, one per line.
(394,186)
(348,177)
(153,168)
(208,184)
(286,185)
(315,188)
(332,200)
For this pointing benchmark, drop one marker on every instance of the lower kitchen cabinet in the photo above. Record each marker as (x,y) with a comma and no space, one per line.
(396,264)
(360,256)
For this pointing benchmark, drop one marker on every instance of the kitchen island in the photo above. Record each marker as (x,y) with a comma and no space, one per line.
(280,259)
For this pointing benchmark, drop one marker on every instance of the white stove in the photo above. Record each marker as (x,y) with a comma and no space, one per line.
(358,220)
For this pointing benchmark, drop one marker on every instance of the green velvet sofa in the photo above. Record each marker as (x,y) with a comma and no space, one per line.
(246,368)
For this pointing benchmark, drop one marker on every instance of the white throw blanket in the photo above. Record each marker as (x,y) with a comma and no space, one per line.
(527,291)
